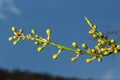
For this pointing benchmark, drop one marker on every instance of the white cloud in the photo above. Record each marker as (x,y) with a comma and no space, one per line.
(15,10)
(111,75)
(2,16)
(6,7)
(108,76)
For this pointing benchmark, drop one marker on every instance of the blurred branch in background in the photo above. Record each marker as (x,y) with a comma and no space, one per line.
(115,33)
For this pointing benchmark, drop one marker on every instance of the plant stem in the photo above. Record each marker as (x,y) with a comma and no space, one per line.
(67,48)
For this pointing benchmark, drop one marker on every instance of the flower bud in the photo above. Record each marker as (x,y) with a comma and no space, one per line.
(97,47)
(93,50)
(99,44)
(118,46)
(95,36)
(73,59)
(39,49)
(112,41)
(10,38)
(99,59)
(48,32)
(13,29)
(88,60)
(103,42)
(21,30)
(15,42)
(106,53)
(116,51)
(103,49)
(99,40)
(36,42)
(94,27)
(90,32)
(33,31)
(84,46)
(55,56)
(74,44)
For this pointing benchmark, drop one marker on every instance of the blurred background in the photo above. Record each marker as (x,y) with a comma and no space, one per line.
(66,20)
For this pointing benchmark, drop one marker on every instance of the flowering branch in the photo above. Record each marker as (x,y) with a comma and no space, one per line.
(104,47)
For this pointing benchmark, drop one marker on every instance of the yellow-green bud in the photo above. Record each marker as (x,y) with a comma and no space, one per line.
(21,30)
(36,42)
(103,42)
(95,36)
(13,29)
(15,42)
(97,47)
(48,32)
(99,44)
(39,49)
(112,41)
(55,56)
(99,40)
(94,27)
(118,46)
(116,51)
(74,44)
(73,59)
(90,32)
(93,50)
(33,31)
(106,53)
(84,46)
(10,38)
(99,59)
(88,60)
(103,49)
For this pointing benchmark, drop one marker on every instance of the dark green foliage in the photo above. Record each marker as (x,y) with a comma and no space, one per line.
(19,75)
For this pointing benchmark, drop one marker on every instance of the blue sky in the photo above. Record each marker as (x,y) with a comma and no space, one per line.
(66,19)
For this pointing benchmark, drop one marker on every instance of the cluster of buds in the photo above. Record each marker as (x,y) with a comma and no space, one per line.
(18,35)
(104,46)
(78,51)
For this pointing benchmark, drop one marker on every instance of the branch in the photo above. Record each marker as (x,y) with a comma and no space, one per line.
(104,47)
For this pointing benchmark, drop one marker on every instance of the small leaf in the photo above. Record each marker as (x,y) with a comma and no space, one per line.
(88,21)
